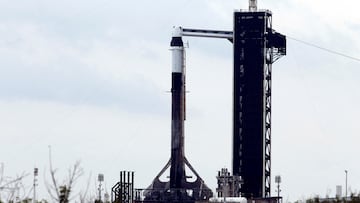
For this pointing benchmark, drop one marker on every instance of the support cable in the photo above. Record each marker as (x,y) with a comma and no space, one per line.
(324,49)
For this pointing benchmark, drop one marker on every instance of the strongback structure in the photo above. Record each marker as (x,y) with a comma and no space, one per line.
(256,47)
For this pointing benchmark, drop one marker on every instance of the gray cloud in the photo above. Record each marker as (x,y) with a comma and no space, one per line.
(77,85)
(114,54)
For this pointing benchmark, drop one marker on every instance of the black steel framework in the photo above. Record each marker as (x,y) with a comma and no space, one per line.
(256,47)
(123,191)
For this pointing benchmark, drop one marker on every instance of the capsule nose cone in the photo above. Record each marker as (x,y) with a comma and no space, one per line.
(176,40)
(177,32)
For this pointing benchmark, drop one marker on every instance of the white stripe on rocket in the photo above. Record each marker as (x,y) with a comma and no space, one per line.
(177,59)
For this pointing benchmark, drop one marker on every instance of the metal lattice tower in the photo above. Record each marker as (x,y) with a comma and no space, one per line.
(256,47)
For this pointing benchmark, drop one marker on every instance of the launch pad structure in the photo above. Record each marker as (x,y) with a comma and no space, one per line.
(256,47)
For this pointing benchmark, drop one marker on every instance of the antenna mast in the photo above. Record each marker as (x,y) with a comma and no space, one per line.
(252,5)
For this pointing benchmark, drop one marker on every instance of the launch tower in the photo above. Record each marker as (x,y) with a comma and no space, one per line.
(256,47)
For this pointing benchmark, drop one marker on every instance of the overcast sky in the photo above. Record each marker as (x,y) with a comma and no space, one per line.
(91,79)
